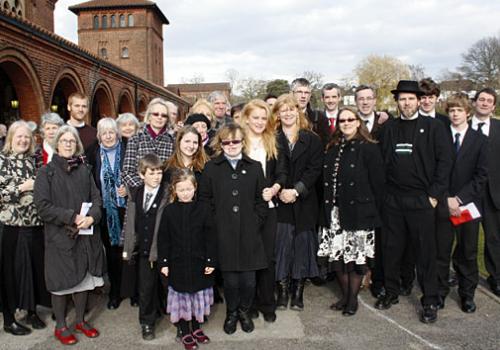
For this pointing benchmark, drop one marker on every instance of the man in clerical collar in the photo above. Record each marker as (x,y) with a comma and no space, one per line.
(330,95)
(429,99)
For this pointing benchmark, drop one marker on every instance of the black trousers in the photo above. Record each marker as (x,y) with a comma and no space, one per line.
(464,256)
(491,226)
(113,258)
(378,269)
(265,300)
(239,289)
(410,219)
(148,278)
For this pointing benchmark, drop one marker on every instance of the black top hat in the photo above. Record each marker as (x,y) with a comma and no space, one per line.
(410,86)
(197,117)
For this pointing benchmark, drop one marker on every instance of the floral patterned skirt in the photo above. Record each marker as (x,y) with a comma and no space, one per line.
(347,250)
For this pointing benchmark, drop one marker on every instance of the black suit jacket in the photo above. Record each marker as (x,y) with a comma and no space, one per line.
(319,123)
(493,187)
(470,168)
(432,152)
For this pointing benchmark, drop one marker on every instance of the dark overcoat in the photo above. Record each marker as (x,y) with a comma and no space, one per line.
(235,198)
(304,168)
(360,185)
(59,194)
(186,245)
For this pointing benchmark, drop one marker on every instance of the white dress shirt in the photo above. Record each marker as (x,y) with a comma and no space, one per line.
(486,127)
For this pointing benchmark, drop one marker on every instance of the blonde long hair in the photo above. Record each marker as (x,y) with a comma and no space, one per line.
(292,103)
(269,134)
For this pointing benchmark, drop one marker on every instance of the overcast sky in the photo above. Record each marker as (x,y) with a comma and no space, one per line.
(281,38)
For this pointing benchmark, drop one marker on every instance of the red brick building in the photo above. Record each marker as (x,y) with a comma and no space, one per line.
(39,70)
(193,92)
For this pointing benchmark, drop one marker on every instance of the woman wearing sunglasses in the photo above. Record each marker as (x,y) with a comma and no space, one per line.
(232,184)
(152,138)
(353,178)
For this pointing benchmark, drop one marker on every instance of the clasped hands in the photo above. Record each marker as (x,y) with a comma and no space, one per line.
(208,270)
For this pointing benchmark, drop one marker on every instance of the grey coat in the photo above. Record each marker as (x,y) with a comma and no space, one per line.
(59,194)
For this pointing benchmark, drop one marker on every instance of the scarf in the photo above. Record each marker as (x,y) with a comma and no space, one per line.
(74,162)
(111,201)
(153,134)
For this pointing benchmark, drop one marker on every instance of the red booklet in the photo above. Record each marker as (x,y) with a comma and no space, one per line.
(468,213)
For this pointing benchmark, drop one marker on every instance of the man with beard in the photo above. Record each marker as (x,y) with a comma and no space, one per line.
(417,156)
(78,107)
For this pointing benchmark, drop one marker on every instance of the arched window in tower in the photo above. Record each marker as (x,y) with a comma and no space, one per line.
(113,21)
(125,52)
(130,20)
(104,53)
(104,22)
(96,22)
(122,21)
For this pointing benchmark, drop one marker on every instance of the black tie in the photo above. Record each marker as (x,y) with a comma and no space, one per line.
(480,127)
(146,201)
(457,141)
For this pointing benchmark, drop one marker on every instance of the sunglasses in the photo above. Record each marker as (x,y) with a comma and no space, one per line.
(350,120)
(157,114)
(230,142)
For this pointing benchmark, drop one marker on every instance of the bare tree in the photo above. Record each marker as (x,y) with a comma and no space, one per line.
(197,78)
(417,72)
(481,62)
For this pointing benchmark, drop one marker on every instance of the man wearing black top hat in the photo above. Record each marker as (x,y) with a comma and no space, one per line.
(418,162)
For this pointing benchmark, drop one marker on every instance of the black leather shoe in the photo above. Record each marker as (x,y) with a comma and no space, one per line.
(134,302)
(114,304)
(253,313)
(282,292)
(350,310)
(270,317)
(440,302)
(377,292)
(405,290)
(148,332)
(35,321)
(230,322)
(429,314)
(468,305)
(245,321)
(386,302)
(297,300)
(453,280)
(16,329)
(494,287)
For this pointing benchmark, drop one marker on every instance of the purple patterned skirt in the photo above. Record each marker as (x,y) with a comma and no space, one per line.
(185,306)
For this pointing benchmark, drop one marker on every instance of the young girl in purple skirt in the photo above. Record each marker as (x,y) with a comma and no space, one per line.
(186,251)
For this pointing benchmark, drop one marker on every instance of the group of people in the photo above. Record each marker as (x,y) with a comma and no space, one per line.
(173,211)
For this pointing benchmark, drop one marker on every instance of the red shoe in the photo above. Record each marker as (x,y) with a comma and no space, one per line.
(87,329)
(189,342)
(200,337)
(65,340)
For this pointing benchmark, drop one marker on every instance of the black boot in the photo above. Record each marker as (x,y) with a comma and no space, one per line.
(231,322)
(282,291)
(245,321)
(297,302)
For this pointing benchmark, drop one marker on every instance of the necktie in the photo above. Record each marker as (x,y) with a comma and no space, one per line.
(457,141)
(480,127)
(149,195)
(332,124)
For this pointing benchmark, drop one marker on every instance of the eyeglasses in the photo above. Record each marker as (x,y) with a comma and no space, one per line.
(157,114)
(230,142)
(350,120)
(67,142)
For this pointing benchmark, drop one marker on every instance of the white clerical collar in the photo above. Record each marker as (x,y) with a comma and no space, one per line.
(431,114)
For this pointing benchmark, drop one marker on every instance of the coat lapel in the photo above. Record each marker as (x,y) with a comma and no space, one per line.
(299,148)
(466,143)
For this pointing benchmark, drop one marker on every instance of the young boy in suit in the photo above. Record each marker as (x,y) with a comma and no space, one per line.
(144,209)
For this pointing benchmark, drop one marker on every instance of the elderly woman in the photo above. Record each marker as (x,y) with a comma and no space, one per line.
(50,123)
(69,203)
(22,240)
(152,138)
(106,159)
(128,125)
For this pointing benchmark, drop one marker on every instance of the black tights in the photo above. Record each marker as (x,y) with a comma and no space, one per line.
(59,307)
(350,283)
(183,325)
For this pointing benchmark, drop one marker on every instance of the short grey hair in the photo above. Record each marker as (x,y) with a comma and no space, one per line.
(65,129)
(155,101)
(50,118)
(300,82)
(107,124)
(216,95)
(127,117)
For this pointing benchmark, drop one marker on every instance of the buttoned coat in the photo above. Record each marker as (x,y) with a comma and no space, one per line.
(304,169)
(186,245)
(235,199)
(493,185)
(359,186)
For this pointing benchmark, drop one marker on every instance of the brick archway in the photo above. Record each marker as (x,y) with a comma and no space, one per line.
(18,68)
(66,82)
(125,103)
(102,102)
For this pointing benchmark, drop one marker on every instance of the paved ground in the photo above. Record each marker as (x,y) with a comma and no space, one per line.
(316,327)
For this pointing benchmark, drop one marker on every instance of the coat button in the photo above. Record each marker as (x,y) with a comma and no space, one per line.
(327,201)
(234,176)
(235,193)
(352,149)
(351,202)
(236,209)
(326,183)
(325,166)
(339,184)
(351,183)
(352,165)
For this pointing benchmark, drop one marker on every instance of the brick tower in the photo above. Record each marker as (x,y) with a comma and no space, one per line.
(127,33)
(40,12)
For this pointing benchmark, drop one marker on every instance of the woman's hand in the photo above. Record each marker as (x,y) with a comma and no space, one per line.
(85,223)
(453,206)
(164,270)
(27,185)
(288,196)
(122,191)
(209,270)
